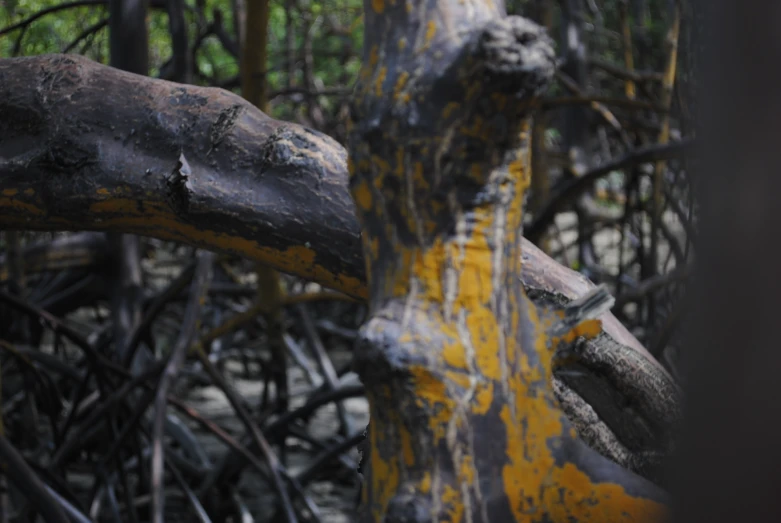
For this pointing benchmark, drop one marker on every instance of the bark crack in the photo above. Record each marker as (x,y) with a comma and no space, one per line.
(224,124)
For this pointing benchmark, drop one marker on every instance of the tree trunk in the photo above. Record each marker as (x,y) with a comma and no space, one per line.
(180,68)
(129,51)
(732,357)
(456,360)
(129,35)
(254,88)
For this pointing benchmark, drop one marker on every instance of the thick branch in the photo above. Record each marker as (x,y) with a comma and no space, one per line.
(86,147)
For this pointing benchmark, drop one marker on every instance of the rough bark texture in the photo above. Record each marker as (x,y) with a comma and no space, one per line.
(456,359)
(83,146)
(87,147)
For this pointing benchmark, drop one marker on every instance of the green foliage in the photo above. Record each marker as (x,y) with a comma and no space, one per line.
(330,32)
(332,28)
(332,25)
(51,33)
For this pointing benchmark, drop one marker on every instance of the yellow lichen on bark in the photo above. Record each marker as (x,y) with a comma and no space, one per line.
(156,219)
(466,426)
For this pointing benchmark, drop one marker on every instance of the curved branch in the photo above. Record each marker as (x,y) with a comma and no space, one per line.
(86,147)
(94,148)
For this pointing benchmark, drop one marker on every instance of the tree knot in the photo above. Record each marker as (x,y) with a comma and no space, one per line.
(518,53)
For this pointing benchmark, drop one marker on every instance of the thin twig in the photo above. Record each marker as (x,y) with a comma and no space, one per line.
(202,276)
(268,454)
(325,363)
(22,476)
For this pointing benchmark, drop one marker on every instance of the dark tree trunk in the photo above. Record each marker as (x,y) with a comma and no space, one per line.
(576,118)
(733,360)
(129,51)
(575,132)
(180,66)
(128,35)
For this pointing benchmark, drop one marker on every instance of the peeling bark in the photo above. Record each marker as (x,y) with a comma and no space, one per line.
(456,359)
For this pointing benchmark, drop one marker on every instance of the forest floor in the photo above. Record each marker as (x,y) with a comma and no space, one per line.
(335,497)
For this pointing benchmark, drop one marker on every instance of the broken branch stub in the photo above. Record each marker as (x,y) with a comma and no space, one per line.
(456,359)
